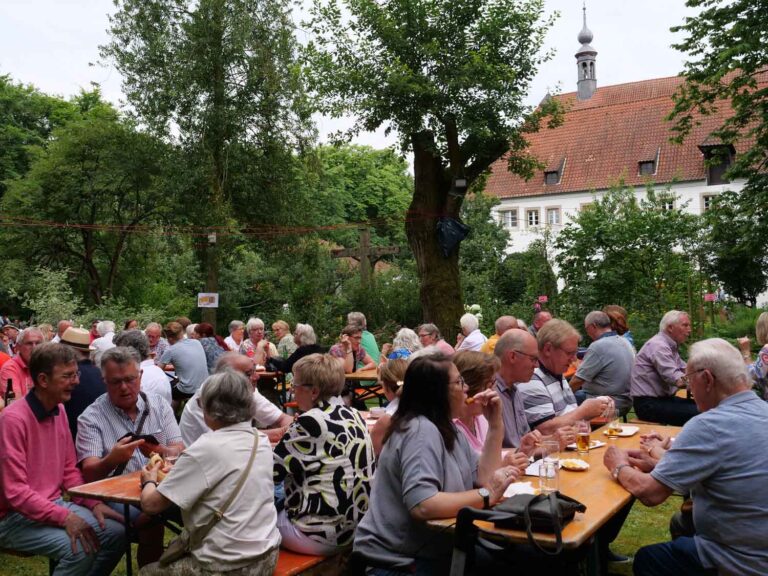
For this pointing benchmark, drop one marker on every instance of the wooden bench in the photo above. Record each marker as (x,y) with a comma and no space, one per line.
(10,552)
(291,564)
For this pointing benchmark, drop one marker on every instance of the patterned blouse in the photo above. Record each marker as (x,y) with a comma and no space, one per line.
(326,460)
(759,372)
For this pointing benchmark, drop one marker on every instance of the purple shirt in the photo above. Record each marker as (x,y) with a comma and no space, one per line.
(512,413)
(657,367)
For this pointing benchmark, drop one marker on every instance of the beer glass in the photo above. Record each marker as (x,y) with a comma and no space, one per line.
(583,431)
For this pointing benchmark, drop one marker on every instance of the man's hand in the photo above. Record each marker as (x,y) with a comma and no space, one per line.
(641,460)
(101,511)
(565,435)
(516,459)
(615,456)
(530,442)
(123,450)
(594,407)
(79,530)
(150,474)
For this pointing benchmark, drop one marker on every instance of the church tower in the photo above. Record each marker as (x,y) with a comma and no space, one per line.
(585,62)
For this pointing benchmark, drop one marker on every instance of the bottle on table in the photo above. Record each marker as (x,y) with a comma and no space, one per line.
(10,396)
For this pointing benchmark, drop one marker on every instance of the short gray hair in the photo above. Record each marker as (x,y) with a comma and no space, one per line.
(152,326)
(598,318)
(429,351)
(227,397)
(190,330)
(510,340)
(254,323)
(430,328)
(235,325)
(120,355)
(723,361)
(31,330)
(408,339)
(135,339)
(358,319)
(306,334)
(105,327)
(670,318)
(469,322)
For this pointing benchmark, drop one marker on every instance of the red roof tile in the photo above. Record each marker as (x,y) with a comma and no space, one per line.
(604,138)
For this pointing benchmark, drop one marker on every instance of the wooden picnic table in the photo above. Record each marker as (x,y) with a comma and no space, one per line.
(125,490)
(363,389)
(595,488)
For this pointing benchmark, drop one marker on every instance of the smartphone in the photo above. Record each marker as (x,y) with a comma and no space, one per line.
(150,438)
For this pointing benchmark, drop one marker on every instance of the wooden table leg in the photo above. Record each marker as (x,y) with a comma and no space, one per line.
(128,534)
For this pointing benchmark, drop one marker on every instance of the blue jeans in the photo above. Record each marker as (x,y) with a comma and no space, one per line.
(20,533)
(670,559)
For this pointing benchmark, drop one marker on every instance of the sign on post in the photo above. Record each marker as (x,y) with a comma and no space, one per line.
(710,297)
(208,300)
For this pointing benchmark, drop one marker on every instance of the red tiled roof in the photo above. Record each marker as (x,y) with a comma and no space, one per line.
(604,138)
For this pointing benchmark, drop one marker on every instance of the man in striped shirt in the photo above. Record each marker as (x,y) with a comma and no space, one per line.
(104,442)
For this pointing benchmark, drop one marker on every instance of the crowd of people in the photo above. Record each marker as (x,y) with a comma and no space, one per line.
(87,404)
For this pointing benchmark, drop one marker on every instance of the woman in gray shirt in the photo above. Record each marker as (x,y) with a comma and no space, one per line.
(427,470)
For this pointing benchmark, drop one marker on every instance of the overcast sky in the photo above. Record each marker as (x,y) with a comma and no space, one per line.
(51,44)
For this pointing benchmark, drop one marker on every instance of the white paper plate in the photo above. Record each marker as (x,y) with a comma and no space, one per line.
(574,464)
(626,431)
(592,445)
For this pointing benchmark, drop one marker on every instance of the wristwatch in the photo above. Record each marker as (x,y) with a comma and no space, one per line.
(486,496)
(616,471)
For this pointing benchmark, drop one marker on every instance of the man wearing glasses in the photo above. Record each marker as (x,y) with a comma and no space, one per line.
(38,462)
(717,458)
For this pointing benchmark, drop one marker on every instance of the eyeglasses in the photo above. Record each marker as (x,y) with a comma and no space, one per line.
(686,378)
(120,381)
(71,376)
(531,357)
(459,382)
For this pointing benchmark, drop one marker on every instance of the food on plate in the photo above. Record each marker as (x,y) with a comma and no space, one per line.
(574,464)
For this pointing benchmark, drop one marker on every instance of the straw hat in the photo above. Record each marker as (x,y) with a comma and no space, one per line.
(78,338)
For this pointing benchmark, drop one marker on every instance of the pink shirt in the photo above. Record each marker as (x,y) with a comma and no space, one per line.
(444,347)
(477,437)
(37,460)
(16,369)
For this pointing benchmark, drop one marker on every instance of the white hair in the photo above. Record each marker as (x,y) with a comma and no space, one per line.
(31,330)
(152,326)
(358,319)
(306,334)
(235,325)
(521,324)
(105,327)
(723,361)
(254,323)
(408,339)
(670,318)
(469,322)
(598,318)
(191,330)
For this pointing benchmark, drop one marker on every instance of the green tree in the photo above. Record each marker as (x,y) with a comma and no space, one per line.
(221,74)
(450,78)
(527,275)
(621,250)
(731,252)
(27,118)
(97,181)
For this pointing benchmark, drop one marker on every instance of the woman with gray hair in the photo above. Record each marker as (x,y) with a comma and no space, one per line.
(405,343)
(429,335)
(306,342)
(257,346)
(245,541)
(325,461)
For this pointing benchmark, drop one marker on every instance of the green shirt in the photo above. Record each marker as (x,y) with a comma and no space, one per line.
(369,344)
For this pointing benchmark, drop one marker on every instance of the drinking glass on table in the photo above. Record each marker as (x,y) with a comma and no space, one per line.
(614,423)
(550,451)
(548,476)
(171,455)
(583,431)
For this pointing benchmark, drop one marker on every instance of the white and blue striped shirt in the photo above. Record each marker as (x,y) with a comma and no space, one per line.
(103,424)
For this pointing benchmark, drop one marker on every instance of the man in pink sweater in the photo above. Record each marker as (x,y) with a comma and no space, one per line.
(37,460)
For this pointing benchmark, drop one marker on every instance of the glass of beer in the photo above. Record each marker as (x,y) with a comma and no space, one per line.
(614,424)
(583,431)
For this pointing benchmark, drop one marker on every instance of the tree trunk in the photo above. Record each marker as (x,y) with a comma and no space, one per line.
(440,286)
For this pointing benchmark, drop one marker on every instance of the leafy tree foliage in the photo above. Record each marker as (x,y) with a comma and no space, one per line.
(450,78)
(99,175)
(527,275)
(621,250)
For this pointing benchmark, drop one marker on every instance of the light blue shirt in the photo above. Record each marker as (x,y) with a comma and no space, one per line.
(719,458)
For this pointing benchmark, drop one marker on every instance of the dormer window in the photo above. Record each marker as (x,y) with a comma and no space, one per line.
(553,173)
(649,161)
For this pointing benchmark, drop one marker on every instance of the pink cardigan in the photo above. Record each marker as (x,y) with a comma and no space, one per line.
(475,441)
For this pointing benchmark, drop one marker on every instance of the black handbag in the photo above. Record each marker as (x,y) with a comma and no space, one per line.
(537,513)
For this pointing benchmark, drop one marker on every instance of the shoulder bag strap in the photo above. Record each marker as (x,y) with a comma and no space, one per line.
(557,520)
(121,467)
(197,537)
